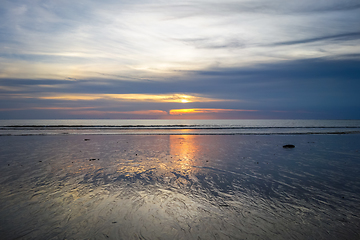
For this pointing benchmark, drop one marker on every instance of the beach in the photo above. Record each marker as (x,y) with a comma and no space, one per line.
(180,187)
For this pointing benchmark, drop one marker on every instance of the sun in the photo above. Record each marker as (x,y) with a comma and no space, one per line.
(185,98)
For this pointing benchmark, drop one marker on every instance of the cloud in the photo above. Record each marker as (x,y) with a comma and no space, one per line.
(214,43)
(205,111)
(119,113)
(320,80)
(142,55)
(46,108)
(177,98)
(51,40)
(216,8)
(337,37)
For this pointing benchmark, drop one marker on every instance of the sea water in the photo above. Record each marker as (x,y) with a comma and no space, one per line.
(156,127)
(238,185)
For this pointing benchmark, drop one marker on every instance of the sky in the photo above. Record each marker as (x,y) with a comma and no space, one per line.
(200,59)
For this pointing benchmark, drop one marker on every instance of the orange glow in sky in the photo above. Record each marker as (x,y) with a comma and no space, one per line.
(176,98)
(205,110)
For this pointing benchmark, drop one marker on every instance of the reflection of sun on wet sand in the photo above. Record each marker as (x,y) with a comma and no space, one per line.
(181,160)
(185,150)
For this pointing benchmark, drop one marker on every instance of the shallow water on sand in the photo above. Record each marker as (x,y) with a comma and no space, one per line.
(180,187)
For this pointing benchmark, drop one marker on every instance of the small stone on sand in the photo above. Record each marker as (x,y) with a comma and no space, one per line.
(288,146)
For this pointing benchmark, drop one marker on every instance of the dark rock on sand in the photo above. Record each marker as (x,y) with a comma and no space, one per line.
(224,205)
(86,139)
(288,146)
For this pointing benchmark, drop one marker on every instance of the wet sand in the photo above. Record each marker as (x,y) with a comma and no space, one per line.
(180,187)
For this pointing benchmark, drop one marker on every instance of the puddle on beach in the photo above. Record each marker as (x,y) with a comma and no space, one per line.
(179,187)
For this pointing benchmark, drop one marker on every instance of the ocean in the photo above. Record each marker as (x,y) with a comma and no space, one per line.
(192,127)
(179,179)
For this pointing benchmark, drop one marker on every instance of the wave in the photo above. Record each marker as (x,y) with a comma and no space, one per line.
(135,127)
(176,127)
(39,132)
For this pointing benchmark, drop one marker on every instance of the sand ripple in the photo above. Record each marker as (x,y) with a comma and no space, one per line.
(179,187)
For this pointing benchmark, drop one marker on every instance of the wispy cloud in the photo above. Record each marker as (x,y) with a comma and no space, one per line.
(147,54)
(107,113)
(52,40)
(177,98)
(205,111)
(337,37)
(46,108)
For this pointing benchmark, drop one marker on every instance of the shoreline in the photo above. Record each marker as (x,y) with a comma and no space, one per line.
(179,133)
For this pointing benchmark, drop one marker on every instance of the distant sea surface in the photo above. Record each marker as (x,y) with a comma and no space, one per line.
(177,127)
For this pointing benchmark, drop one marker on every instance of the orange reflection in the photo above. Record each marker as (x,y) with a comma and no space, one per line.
(184,149)
(167,158)
(178,158)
